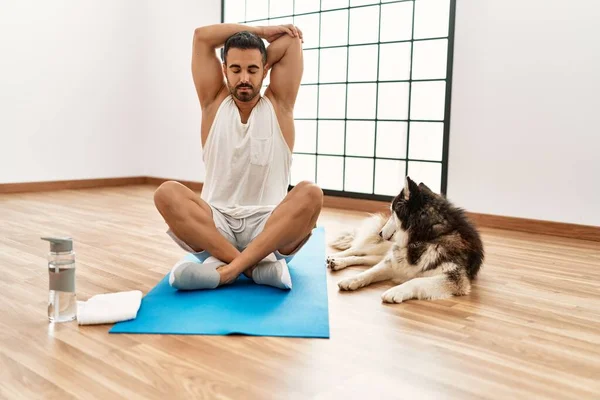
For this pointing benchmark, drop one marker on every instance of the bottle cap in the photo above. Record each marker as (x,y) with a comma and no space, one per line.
(59,245)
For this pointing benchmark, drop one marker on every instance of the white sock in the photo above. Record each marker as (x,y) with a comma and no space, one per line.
(272,273)
(211,259)
(189,275)
(270,257)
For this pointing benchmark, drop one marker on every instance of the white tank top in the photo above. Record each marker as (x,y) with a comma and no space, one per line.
(247,165)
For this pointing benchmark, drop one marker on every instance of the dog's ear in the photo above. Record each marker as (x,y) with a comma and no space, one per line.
(410,188)
(424,187)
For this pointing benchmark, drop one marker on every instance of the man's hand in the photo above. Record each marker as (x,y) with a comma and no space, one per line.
(272,33)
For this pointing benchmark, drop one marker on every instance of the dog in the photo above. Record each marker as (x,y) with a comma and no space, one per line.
(427,246)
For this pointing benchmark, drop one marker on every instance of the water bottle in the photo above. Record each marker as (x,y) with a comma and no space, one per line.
(62,301)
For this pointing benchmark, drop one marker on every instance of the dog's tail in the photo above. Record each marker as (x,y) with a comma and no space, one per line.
(343,241)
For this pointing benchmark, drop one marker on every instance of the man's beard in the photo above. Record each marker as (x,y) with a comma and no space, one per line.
(244,95)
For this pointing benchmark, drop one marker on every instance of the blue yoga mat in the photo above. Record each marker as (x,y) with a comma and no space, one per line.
(243,307)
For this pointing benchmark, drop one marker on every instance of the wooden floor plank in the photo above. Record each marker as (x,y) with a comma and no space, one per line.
(529,329)
(18,382)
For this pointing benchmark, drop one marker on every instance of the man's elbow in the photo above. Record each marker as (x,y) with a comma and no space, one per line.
(292,41)
(204,34)
(283,45)
(199,34)
(293,45)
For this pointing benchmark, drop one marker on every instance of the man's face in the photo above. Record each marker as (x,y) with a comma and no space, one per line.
(245,73)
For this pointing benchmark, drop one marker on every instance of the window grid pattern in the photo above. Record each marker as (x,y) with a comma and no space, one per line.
(408,129)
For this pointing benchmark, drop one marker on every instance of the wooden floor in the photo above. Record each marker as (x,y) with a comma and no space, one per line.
(530,328)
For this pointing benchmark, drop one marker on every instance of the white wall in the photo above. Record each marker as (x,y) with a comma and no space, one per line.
(173,115)
(525,136)
(94,89)
(67,108)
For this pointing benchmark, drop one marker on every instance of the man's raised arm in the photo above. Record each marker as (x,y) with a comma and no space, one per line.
(206,66)
(284,56)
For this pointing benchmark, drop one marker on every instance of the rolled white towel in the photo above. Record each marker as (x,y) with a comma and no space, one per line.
(109,308)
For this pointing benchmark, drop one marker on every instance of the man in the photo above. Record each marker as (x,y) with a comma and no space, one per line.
(245,221)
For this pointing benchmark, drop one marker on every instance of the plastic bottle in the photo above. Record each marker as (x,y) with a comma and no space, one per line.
(62,301)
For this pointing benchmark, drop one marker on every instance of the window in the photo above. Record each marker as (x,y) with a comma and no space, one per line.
(374,101)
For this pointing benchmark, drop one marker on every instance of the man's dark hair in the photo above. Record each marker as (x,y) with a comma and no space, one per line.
(244,40)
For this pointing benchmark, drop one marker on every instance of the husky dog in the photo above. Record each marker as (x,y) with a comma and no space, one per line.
(427,246)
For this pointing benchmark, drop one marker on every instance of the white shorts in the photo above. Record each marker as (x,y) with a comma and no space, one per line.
(238,231)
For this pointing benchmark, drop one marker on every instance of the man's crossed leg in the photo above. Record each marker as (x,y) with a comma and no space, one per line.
(190,219)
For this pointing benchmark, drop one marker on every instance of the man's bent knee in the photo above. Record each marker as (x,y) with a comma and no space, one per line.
(311,194)
(166,194)
(175,202)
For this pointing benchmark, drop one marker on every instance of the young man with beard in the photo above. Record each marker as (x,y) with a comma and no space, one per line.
(245,221)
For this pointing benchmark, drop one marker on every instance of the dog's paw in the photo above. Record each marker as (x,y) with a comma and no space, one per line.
(396,295)
(330,262)
(350,284)
(334,264)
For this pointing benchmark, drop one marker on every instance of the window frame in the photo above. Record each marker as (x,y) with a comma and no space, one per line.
(377,82)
